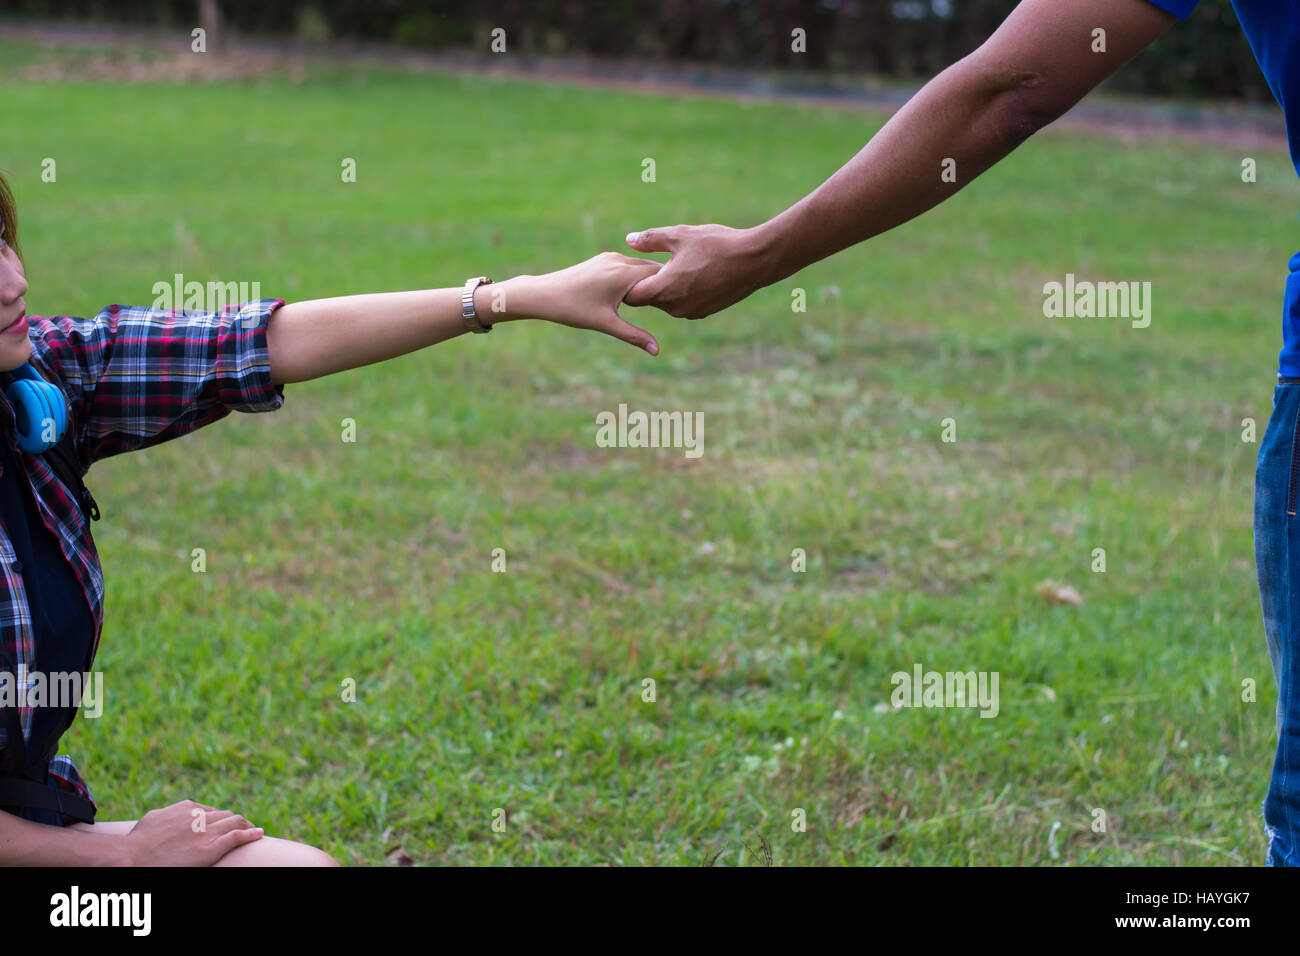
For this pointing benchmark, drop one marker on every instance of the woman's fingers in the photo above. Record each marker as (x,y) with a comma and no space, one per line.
(651,264)
(629,333)
(211,816)
(226,842)
(631,270)
(232,822)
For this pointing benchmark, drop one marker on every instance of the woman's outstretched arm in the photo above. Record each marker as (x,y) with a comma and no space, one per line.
(310,339)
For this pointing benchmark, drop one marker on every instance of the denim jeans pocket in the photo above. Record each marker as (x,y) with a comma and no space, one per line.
(1284,435)
(1293,480)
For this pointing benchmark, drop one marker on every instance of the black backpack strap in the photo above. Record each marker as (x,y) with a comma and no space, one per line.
(17,793)
(64,462)
(14,733)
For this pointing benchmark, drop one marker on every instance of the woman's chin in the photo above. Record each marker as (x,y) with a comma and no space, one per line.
(14,354)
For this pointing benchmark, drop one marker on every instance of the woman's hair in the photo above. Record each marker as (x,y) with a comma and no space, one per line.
(9,215)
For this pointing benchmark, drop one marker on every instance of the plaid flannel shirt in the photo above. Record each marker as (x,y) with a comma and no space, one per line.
(134,377)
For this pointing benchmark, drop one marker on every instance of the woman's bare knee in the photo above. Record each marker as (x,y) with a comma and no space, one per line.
(273,851)
(266,851)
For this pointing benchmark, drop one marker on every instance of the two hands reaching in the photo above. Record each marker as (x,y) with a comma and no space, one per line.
(711,267)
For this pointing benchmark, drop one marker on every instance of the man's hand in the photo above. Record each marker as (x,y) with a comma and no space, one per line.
(711,268)
(1037,65)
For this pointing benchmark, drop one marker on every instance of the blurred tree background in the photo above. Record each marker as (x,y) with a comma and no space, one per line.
(1205,57)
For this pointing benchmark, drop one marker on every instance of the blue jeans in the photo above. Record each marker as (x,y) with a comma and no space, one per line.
(1277,559)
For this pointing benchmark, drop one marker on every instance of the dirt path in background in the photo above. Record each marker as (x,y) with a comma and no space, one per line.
(137,55)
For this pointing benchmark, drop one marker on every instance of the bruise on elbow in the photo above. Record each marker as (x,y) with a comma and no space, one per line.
(1027,102)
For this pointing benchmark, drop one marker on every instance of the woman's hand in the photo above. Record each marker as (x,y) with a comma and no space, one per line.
(585,296)
(318,337)
(172,836)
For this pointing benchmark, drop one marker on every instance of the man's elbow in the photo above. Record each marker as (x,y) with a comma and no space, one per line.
(1021,119)
(1025,100)
(1021,104)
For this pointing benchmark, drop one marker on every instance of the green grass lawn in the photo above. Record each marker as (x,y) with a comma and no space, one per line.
(522,690)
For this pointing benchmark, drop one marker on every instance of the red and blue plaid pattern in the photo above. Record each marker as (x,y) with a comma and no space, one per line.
(135,377)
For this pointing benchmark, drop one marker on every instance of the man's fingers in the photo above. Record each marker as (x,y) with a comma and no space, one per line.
(647,290)
(663,239)
(630,334)
(231,822)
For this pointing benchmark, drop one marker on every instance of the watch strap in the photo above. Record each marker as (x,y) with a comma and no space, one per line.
(472,321)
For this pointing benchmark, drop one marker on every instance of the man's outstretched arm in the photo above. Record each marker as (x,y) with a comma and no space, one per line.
(1039,63)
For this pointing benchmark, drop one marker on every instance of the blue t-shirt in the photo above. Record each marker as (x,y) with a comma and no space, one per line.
(62,625)
(1272,28)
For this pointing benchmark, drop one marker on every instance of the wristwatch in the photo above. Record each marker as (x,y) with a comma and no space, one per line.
(467,304)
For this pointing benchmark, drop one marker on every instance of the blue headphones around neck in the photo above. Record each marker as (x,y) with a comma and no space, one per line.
(36,402)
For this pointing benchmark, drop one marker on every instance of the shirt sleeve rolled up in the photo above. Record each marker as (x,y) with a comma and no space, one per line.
(139,376)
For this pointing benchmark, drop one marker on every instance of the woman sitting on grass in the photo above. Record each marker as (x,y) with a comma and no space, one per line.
(134,377)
